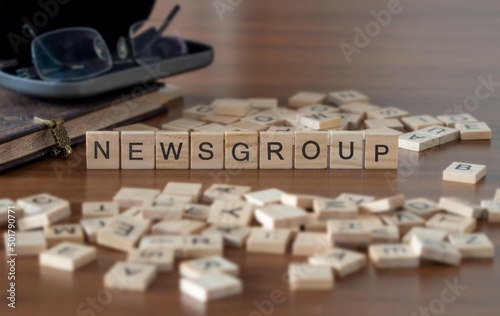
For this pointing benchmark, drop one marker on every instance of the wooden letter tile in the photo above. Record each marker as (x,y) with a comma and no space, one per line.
(207,150)
(464,172)
(417,122)
(264,197)
(138,150)
(211,286)
(474,131)
(130,276)
(358,108)
(493,209)
(26,243)
(304,276)
(423,207)
(173,243)
(56,234)
(225,192)
(197,212)
(394,124)
(192,190)
(103,150)
(445,134)
(163,259)
(128,197)
(425,232)
(197,246)
(384,205)
(177,227)
(319,120)
(451,120)
(68,256)
(356,198)
(92,226)
(164,207)
(342,261)
(347,97)
(234,107)
(263,103)
(182,125)
(473,245)
(276,150)
(172,150)
(197,112)
(241,150)
(263,240)
(234,213)
(451,223)
(42,210)
(435,250)
(233,236)
(387,113)
(122,233)
(308,244)
(460,207)
(393,256)
(346,150)
(311,150)
(381,149)
(99,209)
(417,141)
(349,232)
(384,234)
(280,216)
(303,98)
(215,264)
(335,209)
(404,220)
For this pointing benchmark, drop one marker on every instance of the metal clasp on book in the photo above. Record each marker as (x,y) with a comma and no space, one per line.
(60,135)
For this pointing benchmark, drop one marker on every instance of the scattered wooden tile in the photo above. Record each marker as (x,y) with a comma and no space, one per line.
(233,107)
(423,207)
(356,198)
(314,224)
(264,197)
(128,197)
(417,122)
(384,234)
(182,125)
(137,150)
(164,207)
(311,150)
(303,201)
(207,150)
(196,246)
(130,276)
(493,210)
(384,205)
(317,108)
(122,233)
(68,256)
(305,98)
(233,236)
(445,134)
(192,190)
(280,216)
(241,150)
(177,227)
(392,123)
(425,232)
(335,209)
(303,276)
(246,126)
(282,129)
(417,141)
(358,108)
(349,232)
(309,243)
(103,149)
(266,118)
(381,148)
(347,97)
(197,212)
(25,243)
(56,234)
(162,259)
(354,120)
(452,223)
(319,120)
(234,213)
(344,262)
(474,131)
(451,120)
(276,150)
(211,286)
(387,113)
(135,128)
(464,172)
(263,240)
(218,191)
(197,112)
(92,226)
(346,150)
(169,242)
(134,212)
(473,245)
(404,220)
(435,250)
(390,256)
(220,119)
(41,210)
(460,207)
(214,264)
(213,128)
(263,103)
(99,209)
(172,150)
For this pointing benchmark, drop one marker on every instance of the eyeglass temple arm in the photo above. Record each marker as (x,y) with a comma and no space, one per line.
(164,26)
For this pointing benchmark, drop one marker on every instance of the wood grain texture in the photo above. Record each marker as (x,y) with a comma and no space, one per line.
(428,59)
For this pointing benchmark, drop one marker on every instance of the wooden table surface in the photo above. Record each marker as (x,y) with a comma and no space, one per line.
(427,60)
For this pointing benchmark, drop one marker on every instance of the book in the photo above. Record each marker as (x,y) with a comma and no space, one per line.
(23,137)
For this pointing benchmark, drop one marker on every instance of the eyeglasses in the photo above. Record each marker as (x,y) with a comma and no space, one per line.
(79,53)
